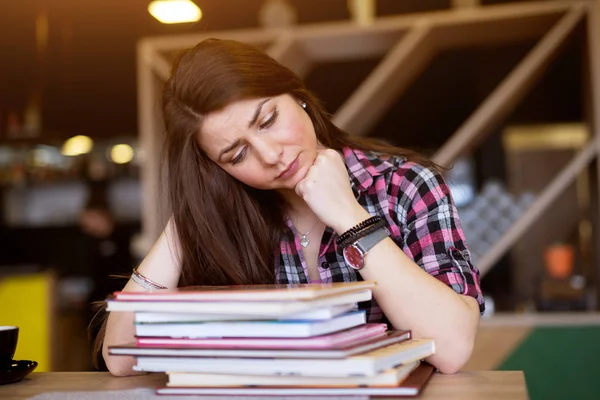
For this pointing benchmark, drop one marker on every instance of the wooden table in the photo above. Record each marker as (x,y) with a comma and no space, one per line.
(472,385)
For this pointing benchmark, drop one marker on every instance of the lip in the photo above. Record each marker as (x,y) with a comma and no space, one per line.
(290,170)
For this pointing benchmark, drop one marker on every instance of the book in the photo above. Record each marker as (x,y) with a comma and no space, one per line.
(318,314)
(366,364)
(337,340)
(132,349)
(412,386)
(388,378)
(262,328)
(266,309)
(248,293)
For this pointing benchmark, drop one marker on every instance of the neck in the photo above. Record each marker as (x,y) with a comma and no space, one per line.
(300,213)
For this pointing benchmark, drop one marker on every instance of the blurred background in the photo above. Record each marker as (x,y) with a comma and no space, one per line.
(503,92)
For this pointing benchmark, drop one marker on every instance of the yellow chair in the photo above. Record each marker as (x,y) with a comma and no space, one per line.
(27,301)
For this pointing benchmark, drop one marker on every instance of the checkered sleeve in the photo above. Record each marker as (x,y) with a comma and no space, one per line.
(431,232)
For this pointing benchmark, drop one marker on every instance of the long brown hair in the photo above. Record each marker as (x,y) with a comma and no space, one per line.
(229,232)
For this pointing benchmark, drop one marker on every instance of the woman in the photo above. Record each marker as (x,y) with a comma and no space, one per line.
(262,183)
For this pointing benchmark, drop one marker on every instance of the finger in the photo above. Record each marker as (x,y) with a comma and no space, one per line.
(320,159)
(332,153)
(299,189)
(306,186)
(327,154)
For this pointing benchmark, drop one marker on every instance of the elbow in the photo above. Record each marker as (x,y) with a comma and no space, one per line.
(120,369)
(121,372)
(119,365)
(457,351)
(449,367)
(117,368)
(455,344)
(455,359)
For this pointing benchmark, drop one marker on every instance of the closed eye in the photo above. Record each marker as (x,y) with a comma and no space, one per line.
(239,157)
(269,121)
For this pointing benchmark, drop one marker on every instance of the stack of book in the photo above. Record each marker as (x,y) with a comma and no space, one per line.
(306,339)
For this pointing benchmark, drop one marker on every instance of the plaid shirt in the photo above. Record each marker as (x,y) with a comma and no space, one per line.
(417,206)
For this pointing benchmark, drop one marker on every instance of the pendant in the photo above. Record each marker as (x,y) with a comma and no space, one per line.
(304,241)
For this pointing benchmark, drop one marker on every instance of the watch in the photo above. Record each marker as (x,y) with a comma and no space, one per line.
(354,254)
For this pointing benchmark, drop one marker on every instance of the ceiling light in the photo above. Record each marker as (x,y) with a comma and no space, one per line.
(121,153)
(77,145)
(175,11)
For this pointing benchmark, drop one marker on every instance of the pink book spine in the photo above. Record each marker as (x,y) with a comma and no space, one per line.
(330,341)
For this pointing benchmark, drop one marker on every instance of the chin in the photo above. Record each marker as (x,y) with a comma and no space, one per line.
(300,175)
(287,185)
(290,185)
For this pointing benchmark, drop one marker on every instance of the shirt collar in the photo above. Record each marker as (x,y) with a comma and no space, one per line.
(363,167)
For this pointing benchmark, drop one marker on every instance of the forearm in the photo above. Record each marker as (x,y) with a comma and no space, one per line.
(160,266)
(119,330)
(413,299)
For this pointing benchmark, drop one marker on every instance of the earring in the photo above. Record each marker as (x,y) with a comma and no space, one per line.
(302,104)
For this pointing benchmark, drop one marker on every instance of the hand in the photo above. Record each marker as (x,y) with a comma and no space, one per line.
(326,189)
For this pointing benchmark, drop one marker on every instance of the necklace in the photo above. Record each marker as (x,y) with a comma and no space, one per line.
(304,240)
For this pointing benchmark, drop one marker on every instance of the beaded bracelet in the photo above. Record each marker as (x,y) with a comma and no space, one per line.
(145,282)
(360,234)
(357,228)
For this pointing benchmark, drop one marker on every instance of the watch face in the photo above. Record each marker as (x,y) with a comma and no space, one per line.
(354,257)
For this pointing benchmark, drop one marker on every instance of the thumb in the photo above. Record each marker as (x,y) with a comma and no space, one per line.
(299,187)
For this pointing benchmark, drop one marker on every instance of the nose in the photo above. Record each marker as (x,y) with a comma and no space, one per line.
(268,150)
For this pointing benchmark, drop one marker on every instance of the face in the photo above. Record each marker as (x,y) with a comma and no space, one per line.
(267,143)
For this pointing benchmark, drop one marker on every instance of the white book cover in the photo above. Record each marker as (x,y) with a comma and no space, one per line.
(262,328)
(389,377)
(319,314)
(412,386)
(367,364)
(267,309)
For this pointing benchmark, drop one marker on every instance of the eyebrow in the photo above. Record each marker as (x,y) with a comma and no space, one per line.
(257,113)
(250,124)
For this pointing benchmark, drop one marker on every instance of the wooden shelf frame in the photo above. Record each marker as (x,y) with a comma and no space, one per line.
(406,45)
